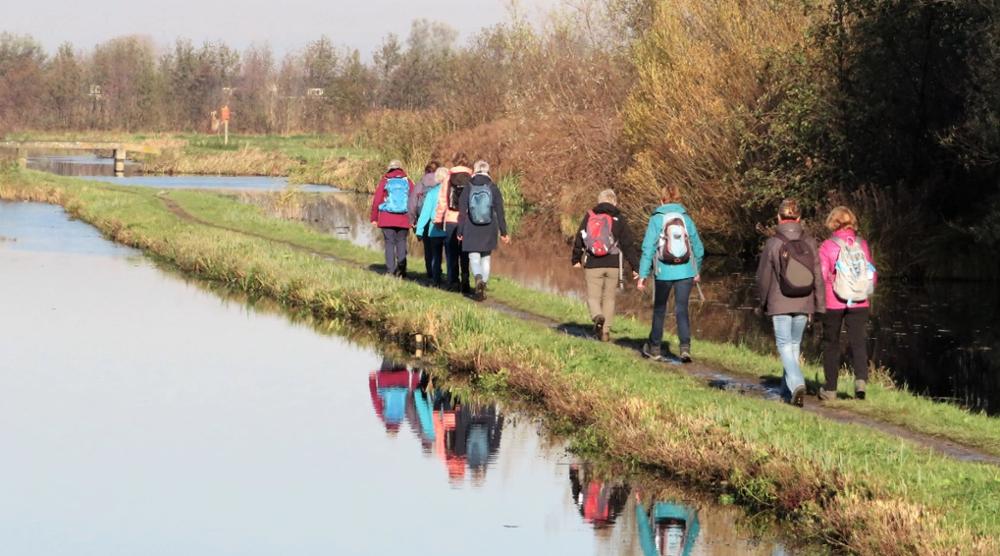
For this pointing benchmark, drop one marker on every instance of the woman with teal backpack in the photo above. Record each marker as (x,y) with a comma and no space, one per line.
(390,207)
(672,252)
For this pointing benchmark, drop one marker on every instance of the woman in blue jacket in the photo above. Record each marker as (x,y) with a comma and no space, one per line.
(432,234)
(673,253)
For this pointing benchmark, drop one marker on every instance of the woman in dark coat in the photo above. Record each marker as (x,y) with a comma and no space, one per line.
(480,223)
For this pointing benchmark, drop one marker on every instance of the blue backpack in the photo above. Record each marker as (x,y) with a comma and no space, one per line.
(480,204)
(398,190)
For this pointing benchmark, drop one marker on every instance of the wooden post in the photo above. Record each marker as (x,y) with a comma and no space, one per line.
(119,162)
(225,132)
(22,158)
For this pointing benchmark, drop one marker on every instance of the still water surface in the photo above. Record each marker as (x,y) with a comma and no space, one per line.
(143,414)
(102,169)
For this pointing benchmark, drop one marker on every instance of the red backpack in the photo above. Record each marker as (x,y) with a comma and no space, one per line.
(597,237)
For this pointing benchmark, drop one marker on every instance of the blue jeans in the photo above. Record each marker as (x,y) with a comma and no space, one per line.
(788,331)
(682,294)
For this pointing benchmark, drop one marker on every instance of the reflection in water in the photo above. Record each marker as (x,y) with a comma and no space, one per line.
(599,501)
(81,165)
(102,169)
(464,436)
(670,529)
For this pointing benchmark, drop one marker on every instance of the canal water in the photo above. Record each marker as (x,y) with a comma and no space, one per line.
(144,414)
(102,169)
(939,339)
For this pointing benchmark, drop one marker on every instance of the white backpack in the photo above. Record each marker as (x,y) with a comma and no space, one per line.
(853,274)
(673,246)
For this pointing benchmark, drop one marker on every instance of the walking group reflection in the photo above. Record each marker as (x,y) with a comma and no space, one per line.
(667,528)
(465,437)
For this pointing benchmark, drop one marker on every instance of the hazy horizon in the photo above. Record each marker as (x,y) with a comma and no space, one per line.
(286,26)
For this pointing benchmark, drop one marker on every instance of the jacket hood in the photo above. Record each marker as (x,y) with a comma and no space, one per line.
(671,207)
(607,208)
(428,180)
(791,230)
(480,179)
(395,173)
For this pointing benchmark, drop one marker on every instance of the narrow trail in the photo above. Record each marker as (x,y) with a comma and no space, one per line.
(732,382)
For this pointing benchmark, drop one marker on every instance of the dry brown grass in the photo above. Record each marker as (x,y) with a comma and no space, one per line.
(699,78)
(247,161)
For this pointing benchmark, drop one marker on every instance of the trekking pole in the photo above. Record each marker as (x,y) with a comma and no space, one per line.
(701,294)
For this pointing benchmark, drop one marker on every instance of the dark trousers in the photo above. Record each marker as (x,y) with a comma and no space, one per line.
(433,250)
(395,249)
(856,321)
(457,261)
(682,295)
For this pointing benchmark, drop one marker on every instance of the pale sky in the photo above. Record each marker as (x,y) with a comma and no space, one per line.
(286,24)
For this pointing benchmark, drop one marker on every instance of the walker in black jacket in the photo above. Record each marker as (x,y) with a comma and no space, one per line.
(480,240)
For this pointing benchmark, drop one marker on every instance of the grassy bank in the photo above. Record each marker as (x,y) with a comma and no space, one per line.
(847,485)
(885,402)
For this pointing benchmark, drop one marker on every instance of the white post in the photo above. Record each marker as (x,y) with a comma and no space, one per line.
(119,163)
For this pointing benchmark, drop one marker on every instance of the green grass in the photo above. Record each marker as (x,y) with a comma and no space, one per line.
(847,485)
(885,403)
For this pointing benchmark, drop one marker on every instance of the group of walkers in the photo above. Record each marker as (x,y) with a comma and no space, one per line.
(796,279)
(457,212)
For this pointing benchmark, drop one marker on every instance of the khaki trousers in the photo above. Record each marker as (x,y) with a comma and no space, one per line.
(601,286)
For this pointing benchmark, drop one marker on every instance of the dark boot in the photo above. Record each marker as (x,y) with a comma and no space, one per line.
(598,326)
(480,288)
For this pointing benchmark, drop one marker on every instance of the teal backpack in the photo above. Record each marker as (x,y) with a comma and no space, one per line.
(480,204)
(398,194)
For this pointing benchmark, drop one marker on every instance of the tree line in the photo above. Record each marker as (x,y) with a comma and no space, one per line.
(891,106)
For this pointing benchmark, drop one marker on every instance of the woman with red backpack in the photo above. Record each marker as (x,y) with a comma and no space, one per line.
(850,279)
(600,247)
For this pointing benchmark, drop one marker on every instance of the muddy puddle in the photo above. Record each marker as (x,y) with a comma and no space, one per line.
(144,414)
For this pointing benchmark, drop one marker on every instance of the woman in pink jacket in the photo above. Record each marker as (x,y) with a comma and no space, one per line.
(839,312)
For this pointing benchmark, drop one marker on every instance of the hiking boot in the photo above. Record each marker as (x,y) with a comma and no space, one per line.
(826,395)
(685,354)
(799,396)
(652,352)
(402,269)
(598,326)
(480,288)
(859,389)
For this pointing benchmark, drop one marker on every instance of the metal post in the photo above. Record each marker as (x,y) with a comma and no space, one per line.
(119,163)
(225,132)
